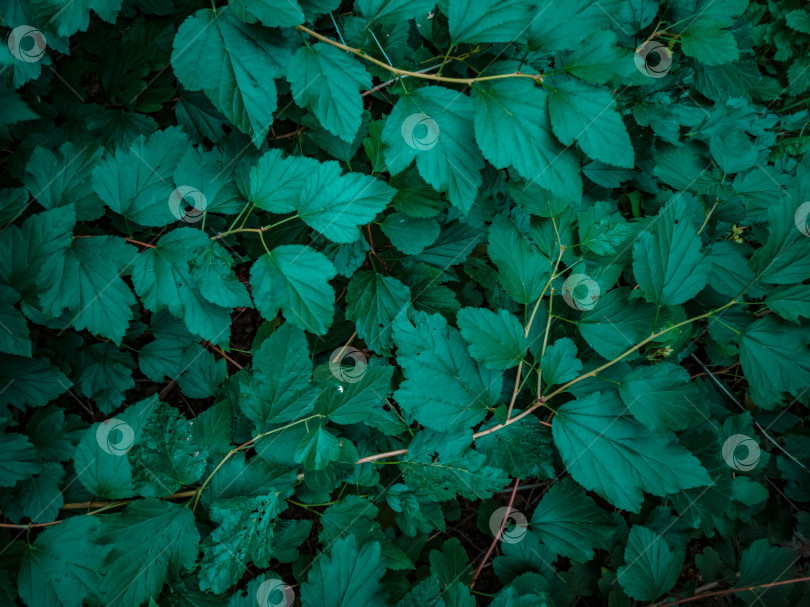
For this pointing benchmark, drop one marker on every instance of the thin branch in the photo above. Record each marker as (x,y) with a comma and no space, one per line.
(698,597)
(497,535)
(401,72)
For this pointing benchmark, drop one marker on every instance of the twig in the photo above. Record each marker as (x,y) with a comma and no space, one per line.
(401,72)
(698,597)
(497,535)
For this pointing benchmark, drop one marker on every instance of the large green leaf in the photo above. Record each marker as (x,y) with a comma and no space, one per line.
(235,63)
(513,129)
(373,301)
(433,354)
(523,271)
(328,81)
(651,568)
(434,125)
(496,339)
(607,451)
(587,114)
(570,523)
(667,259)
(295,280)
(347,575)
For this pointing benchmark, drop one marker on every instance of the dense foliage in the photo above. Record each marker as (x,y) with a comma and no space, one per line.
(404,302)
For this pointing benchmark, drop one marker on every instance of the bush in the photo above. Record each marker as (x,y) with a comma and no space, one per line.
(520,321)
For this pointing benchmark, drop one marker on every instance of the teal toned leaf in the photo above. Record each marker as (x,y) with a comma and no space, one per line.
(496,339)
(651,568)
(373,301)
(328,81)
(30,382)
(523,271)
(607,451)
(295,280)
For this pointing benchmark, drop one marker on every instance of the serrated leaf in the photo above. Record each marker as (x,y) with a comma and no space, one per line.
(328,81)
(650,568)
(235,63)
(586,114)
(294,279)
(607,451)
(373,301)
(496,339)
(570,523)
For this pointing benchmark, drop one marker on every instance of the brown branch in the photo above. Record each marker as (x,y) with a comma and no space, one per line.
(697,597)
(497,535)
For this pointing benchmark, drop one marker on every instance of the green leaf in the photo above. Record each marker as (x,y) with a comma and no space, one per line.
(244,534)
(235,64)
(169,454)
(347,575)
(587,114)
(662,398)
(373,301)
(560,363)
(317,448)
(134,180)
(667,259)
(32,382)
(63,567)
(523,449)
(271,13)
(432,354)
(328,81)
(434,125)
(100,460)
(335,205)
(522,270)
(616,324)
(410,234)
(85,282)
(513,130)
(489,20)
(149,543)
(496,339)
(352,402)
(650,568)
(294,279)
(19,459)
(570,523)
(443,466)
(56,180)
(774,359)
(164,277)
(761,563)
(280,388)
(607,451)
(67,20)
(275,180)
(709,41)
(791,302)
(106,375)
(390,12)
